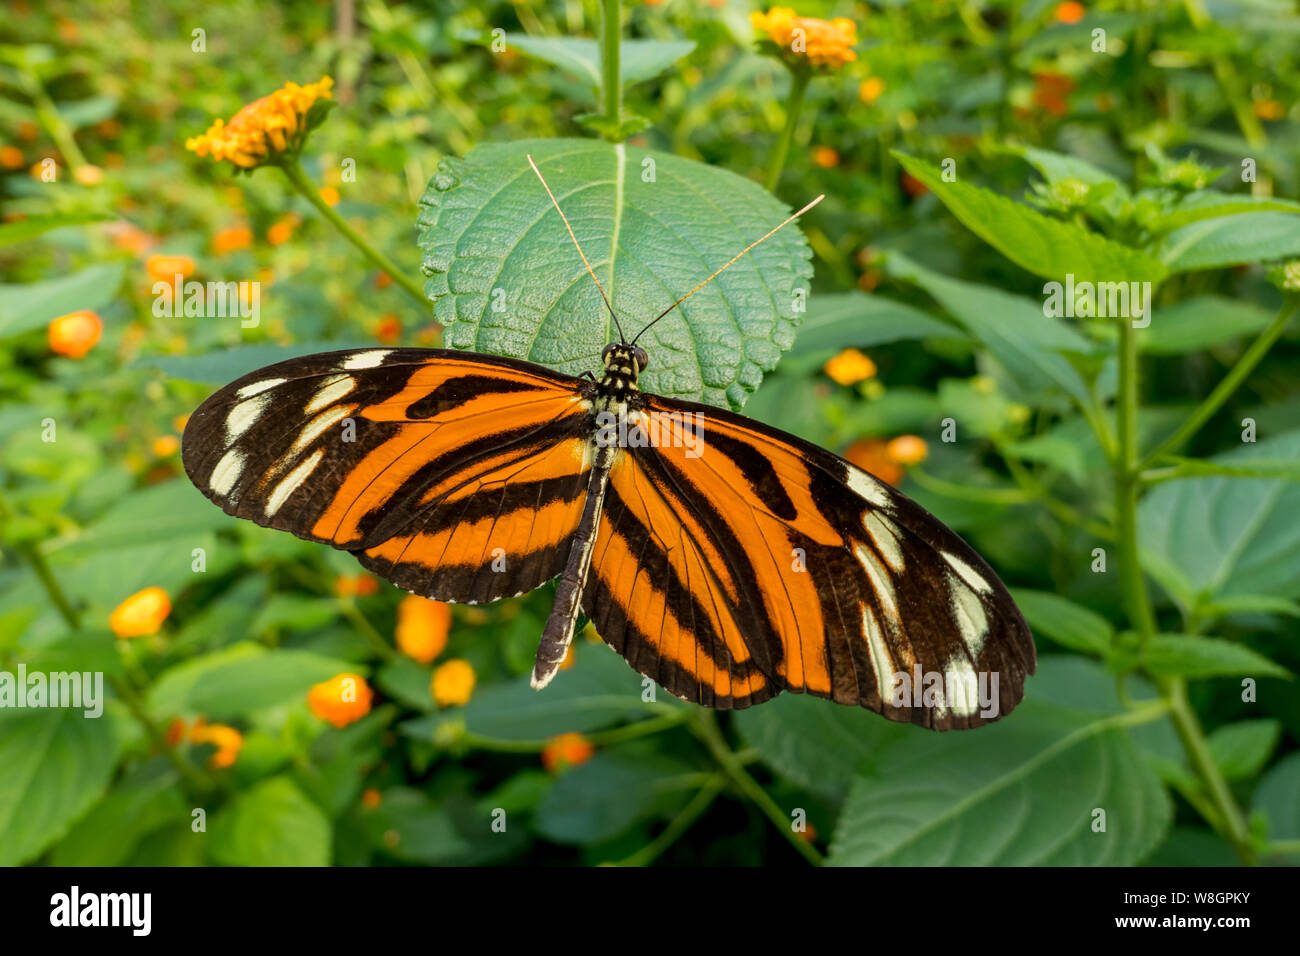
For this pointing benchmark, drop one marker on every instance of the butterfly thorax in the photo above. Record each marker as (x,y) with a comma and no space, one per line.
(623,363)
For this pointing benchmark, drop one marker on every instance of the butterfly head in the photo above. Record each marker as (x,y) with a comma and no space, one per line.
(623,363)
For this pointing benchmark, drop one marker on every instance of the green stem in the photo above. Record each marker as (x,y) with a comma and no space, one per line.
(952,489)
(51,119)
(678,825)
(641,728)
(1127,482)
(799,80)
(376,640)
(1283,846)
(612,78)
(1060,509)
(293,170)
(1198,753)
(1230,383)
(705,727)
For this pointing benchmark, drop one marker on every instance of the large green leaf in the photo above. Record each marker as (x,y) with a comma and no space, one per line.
(1241,749)
(1210,204)
(1069,624)
(146,799)
(32,226)
(54,764)
(226,365)
(1188,655)
(168,511)
(1014,329)
(410,826)
(1022,792)
(1200,323)
(271,824)
(1213,536)
(838,320)
(506,280)
(1045,246)
(27,307)
(1231,241)
(1277,798)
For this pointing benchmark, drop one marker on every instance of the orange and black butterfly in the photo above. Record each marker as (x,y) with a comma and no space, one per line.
(724,559)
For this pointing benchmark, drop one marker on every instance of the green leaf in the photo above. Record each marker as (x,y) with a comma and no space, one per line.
(87,112)
(148,798)
(1184,655)
(1240,750)
(816,745)
(1218,536)
(1210,204)
(639,60)
(1022,792)
(30,306)
(1065,622)
(227,365)
(601,798)
(171,511)
(1014,329)
(1045,246)
(57,763)
(1231,241)
(487,224)
(240,679)
(271,824)
(1283,468)
(1058,167)
(1277,798)
(32,226)
(411,827)
(1188,846)
(1200,323)
(838,320)
(600,689)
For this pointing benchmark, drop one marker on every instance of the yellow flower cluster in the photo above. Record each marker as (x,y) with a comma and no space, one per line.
(263,128)
(823,43)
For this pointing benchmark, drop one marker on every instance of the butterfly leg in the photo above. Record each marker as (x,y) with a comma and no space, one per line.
(558,633)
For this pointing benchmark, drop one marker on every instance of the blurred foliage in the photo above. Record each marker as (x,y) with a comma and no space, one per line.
(970,152)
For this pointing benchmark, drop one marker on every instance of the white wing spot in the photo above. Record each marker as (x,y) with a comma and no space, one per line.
(968,611)
(867,488)
(366,359)
(289,484)
(968,574)
(330,391)
(880,583)
(961,687)
(227,472)
(248,391)
(319,424)
(881,662)
(243,415)
(884,534)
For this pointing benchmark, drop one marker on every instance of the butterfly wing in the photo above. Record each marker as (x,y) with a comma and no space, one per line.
(765,563)
(455,476)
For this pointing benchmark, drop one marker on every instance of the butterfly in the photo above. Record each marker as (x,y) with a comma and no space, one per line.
(726,560)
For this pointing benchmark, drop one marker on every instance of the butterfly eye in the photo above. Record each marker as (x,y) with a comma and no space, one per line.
(604,355)
(642,359)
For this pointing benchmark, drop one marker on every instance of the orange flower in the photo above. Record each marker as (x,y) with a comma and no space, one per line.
(282,230)
(871,89)
(912,186)
(11,157)
(356,585)
(566,750)
(232,239)
(341,700)
(422,627)
(141,614)
(850,367)
(388,329)
(383,280)
(1268,109)
(1070,12)
(264,129)
(165,446)
(175,732)
(907,449)
(226,739)
(371,798)
(807,40)
(825,157)
(1050,91)
(75,334)
(872,455)
(88,175)
(452,683)
(330,195)
(128,237)
(167,268)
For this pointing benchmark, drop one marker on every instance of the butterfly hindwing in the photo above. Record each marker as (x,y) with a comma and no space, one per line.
(742,561)
(456,476)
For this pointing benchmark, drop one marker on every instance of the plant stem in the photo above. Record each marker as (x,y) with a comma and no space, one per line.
(1127,482)
(1198,753)
(293,170)
(1230,383)
(353,613)
(798,86)
(678,825)
(52,120)
(705,727)
(611,77)
(641,728)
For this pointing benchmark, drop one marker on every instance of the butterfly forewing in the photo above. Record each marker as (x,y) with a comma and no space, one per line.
(453,475)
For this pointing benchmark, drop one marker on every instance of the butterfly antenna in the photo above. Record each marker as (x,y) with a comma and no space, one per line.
(590,271)
(729,265)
